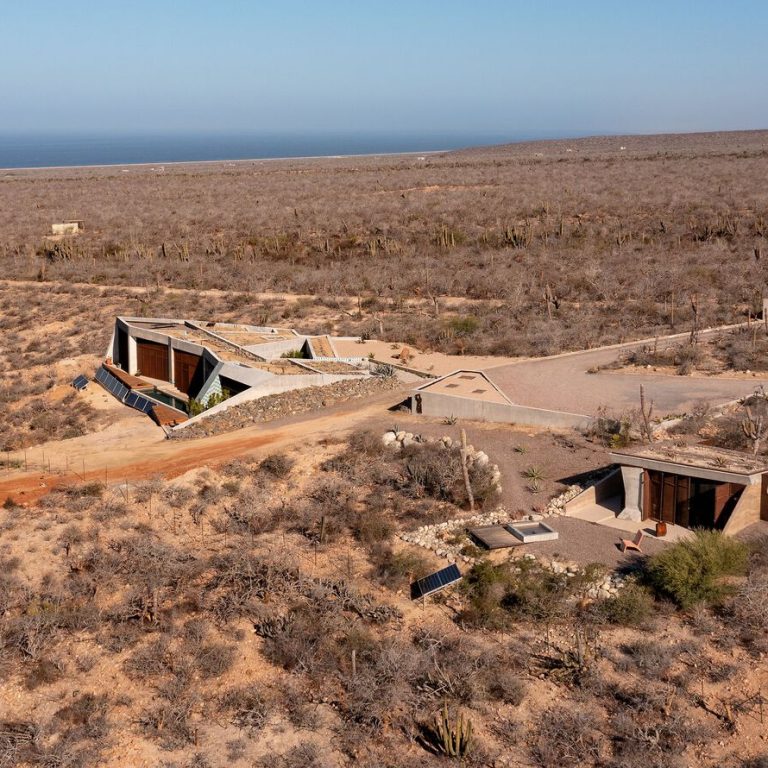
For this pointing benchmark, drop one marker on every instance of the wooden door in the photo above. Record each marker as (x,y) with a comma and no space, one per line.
(683,501)
(152,359)
(668,498)
(654,495)
(702,506)
(185,366)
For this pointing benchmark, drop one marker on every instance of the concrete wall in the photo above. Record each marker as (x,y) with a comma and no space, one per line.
(273,349)
(607,488)
(746,512)
(434,404)
(687,470)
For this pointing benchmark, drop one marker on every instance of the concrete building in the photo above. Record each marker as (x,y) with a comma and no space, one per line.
(223,363)
(693,486)
(72,227)
(467,394)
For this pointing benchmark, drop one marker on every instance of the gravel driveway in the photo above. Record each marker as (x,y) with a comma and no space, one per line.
(563,383)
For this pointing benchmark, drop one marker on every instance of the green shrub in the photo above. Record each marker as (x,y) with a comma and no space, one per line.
(692,571)
(394,569)
(632,606)
(499,594)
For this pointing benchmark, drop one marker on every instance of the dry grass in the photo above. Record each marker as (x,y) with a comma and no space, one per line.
(191,638)
(566,249)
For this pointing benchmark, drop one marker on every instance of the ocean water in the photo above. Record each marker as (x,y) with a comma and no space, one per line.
(43,151)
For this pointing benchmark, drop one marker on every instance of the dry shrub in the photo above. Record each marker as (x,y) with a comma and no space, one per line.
(566,736)
(371,527)
(247,707)
(506,685)
(433,471)
(214,659)
(749,610)
(170,722)
(278,465)
(303,755)
(43,672)
(395,569)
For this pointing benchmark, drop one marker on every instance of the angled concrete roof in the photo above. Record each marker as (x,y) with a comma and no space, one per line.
(474,385)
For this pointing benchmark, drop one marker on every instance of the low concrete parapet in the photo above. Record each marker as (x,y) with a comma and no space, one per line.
(434,404)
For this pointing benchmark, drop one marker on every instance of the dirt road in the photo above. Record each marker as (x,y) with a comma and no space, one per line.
(140,451)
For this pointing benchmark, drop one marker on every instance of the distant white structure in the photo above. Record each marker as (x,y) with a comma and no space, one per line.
(67,227)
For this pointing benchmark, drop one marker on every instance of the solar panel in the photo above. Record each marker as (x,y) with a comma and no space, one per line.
(435,582)
(132,399)
(80,382)
(112,384)
(139,402)
(145,405)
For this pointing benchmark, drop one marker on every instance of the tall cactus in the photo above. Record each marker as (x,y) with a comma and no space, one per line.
(452,741)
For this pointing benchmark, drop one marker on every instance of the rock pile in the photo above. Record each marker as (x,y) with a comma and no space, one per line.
(284,404)
(556,506)
(433,537)
(401,439)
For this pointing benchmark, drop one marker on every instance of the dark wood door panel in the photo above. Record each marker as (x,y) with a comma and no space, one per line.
(152,359)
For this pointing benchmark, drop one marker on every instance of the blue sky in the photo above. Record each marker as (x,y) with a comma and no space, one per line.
(484,66)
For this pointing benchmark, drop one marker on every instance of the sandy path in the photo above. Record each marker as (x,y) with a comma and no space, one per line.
(141,451)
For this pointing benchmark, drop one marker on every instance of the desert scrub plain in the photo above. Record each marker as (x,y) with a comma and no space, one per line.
(257,613)
(566,244)
(52,331)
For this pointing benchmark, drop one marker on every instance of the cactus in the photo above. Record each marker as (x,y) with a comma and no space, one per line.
(451,740)
(754,429)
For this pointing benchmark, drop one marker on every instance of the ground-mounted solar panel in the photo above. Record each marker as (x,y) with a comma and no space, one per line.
(80,382)
(145,405)
(132,399)
(435,582)
(112,384)
(139,402)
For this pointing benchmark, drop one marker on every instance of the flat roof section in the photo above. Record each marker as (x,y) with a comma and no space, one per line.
(699,456)
(247,338)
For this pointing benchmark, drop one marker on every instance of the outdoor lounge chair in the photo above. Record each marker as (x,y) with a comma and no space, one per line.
(633,543)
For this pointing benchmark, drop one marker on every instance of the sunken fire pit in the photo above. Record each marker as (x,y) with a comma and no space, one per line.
(529,533)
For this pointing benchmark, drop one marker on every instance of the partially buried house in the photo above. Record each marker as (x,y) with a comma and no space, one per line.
(691,486)
(181,363)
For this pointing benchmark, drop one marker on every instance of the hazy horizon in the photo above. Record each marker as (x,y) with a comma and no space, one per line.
(499,68)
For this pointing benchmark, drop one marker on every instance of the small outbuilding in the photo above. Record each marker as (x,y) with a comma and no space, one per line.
(692,486)
(72,227)
(469,394)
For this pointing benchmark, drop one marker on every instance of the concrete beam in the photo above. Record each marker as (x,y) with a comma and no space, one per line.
(633,493)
